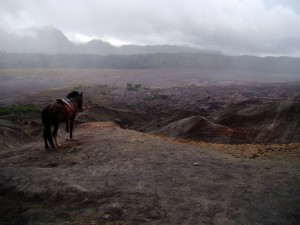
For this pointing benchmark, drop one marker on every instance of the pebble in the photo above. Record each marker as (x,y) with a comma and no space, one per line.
(196,164)
(106,216)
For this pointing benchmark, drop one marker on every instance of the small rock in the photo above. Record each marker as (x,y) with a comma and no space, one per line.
(106,216)
(196,164)
(253,156)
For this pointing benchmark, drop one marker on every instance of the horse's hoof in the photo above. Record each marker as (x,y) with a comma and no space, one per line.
(49,149)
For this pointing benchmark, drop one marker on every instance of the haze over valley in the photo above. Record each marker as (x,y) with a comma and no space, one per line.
(191,112)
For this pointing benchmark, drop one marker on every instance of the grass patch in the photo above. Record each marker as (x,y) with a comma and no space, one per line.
(135,87)
(20,110)
(160,96)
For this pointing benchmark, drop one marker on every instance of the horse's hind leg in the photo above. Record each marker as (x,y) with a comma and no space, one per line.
(50,140)
(55,134)
(45,139)
(48,137)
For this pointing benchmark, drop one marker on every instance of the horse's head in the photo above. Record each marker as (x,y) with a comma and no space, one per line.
(79,102)
(78,98)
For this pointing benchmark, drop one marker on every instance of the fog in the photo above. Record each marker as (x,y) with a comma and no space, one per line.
(256,27)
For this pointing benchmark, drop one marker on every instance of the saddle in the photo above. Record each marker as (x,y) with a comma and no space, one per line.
(66,102)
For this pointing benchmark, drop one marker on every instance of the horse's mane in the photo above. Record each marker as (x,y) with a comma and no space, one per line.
(73,94)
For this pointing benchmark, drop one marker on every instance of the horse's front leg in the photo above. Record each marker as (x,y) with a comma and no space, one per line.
(71,128)
(67,126)
(67,129)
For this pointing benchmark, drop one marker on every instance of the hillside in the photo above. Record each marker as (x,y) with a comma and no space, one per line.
(247,113)
(109,175)
(201,61)
(245,122)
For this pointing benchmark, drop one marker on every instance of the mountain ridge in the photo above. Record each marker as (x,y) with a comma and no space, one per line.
(204,61)
(50,40)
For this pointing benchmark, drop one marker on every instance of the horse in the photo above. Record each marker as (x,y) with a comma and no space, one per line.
(62,110)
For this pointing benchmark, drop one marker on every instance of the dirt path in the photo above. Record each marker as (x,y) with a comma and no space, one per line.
(113,176)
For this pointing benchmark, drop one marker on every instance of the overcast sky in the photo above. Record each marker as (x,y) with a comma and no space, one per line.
(260,27)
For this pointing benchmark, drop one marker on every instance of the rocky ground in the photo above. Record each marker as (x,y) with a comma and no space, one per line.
(235,114)
(152,151)
(109,175)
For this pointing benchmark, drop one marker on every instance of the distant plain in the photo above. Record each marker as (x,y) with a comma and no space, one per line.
(14,82)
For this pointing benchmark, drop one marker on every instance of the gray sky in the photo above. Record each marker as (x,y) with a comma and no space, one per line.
(260,27)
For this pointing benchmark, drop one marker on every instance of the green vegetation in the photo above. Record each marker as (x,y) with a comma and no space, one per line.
(18,110)
(160,96)
(80,87)
(131,87)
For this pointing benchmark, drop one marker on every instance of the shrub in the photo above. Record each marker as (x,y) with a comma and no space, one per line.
(18,110)
(131,87)
(137,86)
(160,96)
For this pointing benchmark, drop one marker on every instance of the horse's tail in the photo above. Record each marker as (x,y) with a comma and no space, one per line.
(46,119)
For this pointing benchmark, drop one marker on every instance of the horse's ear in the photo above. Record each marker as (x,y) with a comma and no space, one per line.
(81,94)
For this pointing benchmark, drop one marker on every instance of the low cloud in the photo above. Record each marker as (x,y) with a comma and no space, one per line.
(234,27)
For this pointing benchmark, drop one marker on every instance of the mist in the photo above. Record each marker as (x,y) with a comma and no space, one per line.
(255,27)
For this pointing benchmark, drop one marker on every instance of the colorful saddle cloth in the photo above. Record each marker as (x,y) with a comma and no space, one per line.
(67,102)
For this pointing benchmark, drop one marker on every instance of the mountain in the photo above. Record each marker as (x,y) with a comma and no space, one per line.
(36,40)
(50,40)
(136,49)
(203,61)
(97,47)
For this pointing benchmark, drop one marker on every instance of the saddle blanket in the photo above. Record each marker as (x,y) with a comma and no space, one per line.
(66,102)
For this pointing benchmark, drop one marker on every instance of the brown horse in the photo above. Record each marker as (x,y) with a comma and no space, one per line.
(63,110)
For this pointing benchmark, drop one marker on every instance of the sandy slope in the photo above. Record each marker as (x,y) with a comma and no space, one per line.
(113,176)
